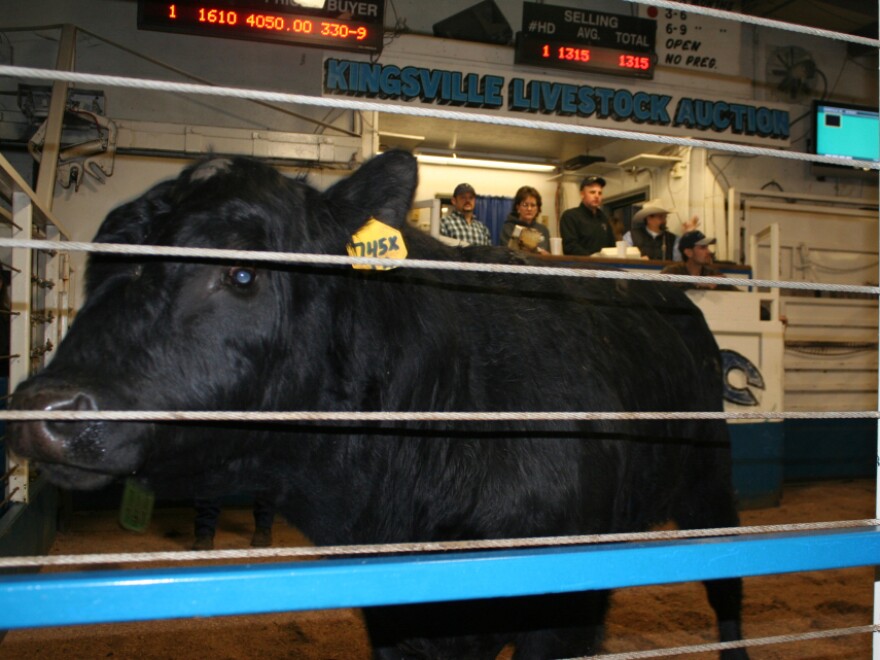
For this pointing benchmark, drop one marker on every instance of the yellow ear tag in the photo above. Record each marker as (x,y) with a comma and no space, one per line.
(376,239)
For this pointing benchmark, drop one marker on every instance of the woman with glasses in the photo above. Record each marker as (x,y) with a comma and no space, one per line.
(521,230)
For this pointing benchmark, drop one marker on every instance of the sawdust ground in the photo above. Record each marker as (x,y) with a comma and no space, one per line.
(643,618)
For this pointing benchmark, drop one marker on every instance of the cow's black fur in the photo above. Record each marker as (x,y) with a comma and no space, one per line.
(157,334)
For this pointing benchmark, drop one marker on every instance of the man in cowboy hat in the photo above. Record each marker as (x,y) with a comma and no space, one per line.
(650,235)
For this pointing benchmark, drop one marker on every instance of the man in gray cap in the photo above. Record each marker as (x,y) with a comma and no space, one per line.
(697,260)
(586,229)
(650,235)
(460,223)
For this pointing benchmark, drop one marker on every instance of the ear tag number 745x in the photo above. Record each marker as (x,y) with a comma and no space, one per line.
(376,239)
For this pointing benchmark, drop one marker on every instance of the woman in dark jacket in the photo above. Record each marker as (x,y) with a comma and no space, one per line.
(521,230)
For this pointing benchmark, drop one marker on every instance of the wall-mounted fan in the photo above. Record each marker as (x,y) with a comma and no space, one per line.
(793,73)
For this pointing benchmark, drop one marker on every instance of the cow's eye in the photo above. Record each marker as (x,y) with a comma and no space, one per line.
(241,277)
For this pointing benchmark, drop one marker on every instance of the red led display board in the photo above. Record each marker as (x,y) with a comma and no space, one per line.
(586,40)
(340,25)
(536,51)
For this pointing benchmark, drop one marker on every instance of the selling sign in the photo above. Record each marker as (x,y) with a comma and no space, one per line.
(589,27)
(587,41)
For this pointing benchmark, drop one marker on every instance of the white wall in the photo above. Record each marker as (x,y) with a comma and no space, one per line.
(220,61)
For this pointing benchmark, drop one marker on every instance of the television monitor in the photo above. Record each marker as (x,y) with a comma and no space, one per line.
(845,131)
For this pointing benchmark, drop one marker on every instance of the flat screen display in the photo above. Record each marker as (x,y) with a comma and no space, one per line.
(846,131)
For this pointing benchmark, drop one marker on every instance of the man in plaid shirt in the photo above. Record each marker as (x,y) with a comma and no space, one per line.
(460,223)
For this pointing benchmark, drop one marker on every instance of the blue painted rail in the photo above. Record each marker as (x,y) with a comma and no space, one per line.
(133,595)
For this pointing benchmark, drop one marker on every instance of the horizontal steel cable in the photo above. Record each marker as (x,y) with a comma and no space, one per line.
(408,416)
(742,643)
(426,264)
(424,547)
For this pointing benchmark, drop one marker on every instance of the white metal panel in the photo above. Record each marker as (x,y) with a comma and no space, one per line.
(20,325)
(199,140)
(855,359)
(835,381)
(830,401)
(26,215)
(735,320)
(832,320)
(839,370)
(818,243)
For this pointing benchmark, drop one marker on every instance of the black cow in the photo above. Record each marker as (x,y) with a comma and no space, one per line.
(191,334)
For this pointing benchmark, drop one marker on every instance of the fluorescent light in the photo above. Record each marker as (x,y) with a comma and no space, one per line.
(402,136)
(519,166)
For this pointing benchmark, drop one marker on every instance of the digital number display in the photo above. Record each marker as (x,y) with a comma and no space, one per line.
(579,57)
(245,20)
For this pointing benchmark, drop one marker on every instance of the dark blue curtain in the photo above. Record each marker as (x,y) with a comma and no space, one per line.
(493,211)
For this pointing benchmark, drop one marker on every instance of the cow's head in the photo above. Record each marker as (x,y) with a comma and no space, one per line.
(191,334)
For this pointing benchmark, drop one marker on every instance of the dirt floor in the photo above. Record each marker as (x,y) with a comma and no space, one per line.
(641,618)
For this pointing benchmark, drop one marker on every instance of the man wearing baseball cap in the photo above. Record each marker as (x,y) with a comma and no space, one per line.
(650,235)
(697,260)
(460,223)
(586,229)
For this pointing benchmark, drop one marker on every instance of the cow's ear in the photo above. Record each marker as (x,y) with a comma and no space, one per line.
(381,188)
(133,221)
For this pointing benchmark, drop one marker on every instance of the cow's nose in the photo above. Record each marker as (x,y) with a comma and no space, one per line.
(48,440)
(66,430)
